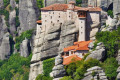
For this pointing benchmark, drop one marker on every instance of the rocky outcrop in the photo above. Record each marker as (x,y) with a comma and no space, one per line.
(116,7)
(51,42)
(24,48)
(27,15)
(47,2)
(13,3)
(118,57)
(58,70)
(98,53)
(95,73)
(12,17)
(118,71)
(1,4)
(5,47)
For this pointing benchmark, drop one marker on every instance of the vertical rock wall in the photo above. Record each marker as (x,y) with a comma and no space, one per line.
(50,44)
(27,15)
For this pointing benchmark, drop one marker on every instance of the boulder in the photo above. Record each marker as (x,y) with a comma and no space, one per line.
(1,4)
(99,53)
(99,74)
(24,48)
(5,47)
(12,17)
(58,70)
(118,76)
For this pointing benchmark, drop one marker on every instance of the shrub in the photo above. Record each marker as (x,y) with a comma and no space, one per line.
(17,1)
(15,67)
(78,3)
(17,23)
(110,66)
(110,13)
(27,34)
(48,64)
(110,40)
(40,3)
(66,78)
(6,3)
(79,74)
(42,77)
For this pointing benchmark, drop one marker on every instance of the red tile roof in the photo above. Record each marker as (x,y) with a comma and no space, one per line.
(71,59)
(39,21)
(56,7)
(82,45)
(64,7)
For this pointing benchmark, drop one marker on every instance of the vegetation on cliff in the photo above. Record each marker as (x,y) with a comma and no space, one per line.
(15,68)
(27,34)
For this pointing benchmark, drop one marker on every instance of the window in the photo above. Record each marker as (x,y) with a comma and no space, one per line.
(45,20)
(53,12)
(59,16)
(69,16)
(57,20)
(81,32)
(81,21)
(51,21)
(51,17)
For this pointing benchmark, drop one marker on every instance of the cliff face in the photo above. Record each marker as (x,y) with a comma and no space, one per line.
(49,2)
(50,44)
(27,15)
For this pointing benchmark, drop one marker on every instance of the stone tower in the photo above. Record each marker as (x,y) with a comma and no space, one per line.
(50,2)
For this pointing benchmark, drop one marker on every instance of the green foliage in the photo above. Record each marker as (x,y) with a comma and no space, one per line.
(40,3)
(10,7)
(48,64)
(78,3)
(6,3)
(77,69)
(110,66)
(27,34)
(110,13)
(6,14)
(42,77)
(17,1)
(17,24)
(66,78)
(79,74)
(15,67)
(110,40)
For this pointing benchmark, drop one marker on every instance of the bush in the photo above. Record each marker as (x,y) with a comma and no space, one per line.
(17,1)
(79,74)
(17,23)
(110,66)
(110,13)
(27,34)
(15,67)
(78,3)
(48,64)
(110,40)
(66,78)
(40,3)
(6,3)
(42,77)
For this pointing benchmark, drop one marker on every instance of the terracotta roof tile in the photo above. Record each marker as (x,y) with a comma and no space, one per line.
(82,45)
(71,59)
(56,7)
(39,21)
(64,7)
